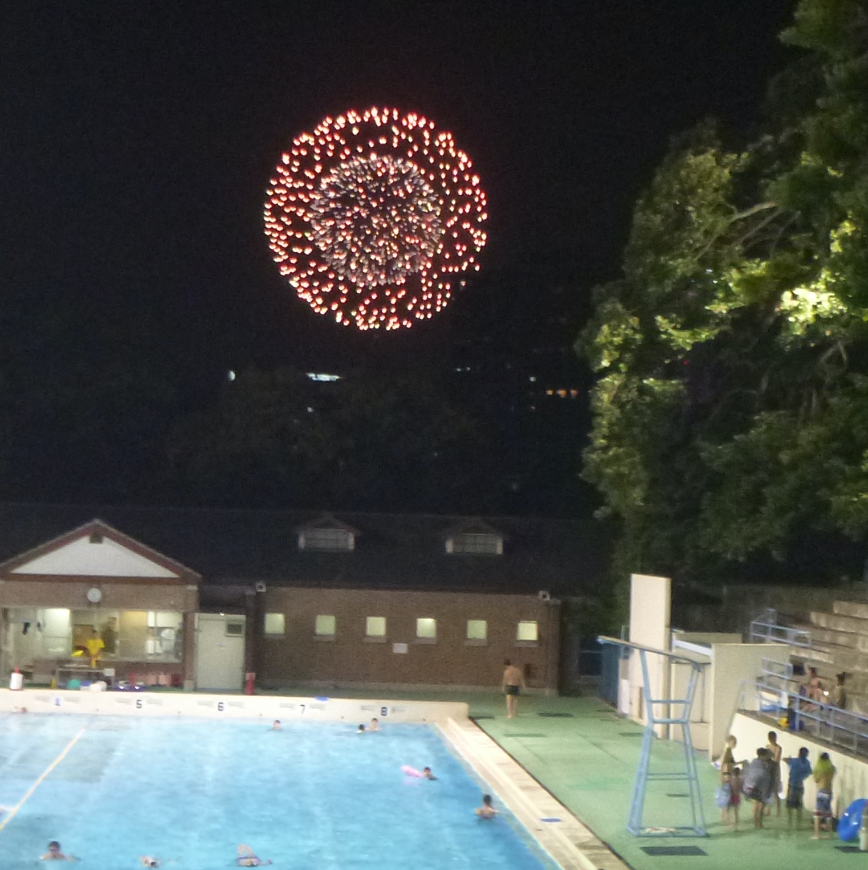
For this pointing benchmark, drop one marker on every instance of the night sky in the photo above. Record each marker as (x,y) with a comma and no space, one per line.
(137,139)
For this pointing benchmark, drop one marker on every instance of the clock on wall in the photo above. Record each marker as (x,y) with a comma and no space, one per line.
(94,595)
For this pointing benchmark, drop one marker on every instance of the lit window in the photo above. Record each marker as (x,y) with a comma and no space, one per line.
(375,626)
(528,631)
(477,629)
(426,628)
(275,624)
(325,626)
(475,543)
(328,538)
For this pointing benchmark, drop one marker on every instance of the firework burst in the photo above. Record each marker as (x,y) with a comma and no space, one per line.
(374,218)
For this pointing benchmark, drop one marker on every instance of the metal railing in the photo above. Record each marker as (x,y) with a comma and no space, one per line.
(767,628)
(768,695)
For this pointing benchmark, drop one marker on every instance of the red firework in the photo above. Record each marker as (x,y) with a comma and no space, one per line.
(374,217)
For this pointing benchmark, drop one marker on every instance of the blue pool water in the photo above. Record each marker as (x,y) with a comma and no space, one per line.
(314,796)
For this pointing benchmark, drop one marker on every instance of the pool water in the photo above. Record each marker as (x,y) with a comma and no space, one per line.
(316,796)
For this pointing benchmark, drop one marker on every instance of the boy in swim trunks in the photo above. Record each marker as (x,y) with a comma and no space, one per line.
(512,683)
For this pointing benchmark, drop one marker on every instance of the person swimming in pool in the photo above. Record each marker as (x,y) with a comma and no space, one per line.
(54,853)
(275,726)
(149,861)
(375,725)
(247,858)
(486,811)
(426,773)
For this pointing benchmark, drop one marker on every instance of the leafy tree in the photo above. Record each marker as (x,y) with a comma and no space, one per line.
(730,419)
(364,442)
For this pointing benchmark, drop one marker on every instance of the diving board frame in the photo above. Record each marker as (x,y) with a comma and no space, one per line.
(665,712)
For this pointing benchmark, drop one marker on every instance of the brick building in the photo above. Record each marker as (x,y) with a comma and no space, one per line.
(201,597)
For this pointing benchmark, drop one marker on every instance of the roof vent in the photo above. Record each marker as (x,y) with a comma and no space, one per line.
(96,538)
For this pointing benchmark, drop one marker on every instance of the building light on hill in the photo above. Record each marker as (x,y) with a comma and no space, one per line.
(322,376)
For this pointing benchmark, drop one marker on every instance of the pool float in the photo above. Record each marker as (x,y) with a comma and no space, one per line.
(411,771)
(848,826)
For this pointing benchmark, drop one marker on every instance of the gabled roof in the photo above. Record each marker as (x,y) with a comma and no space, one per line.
(38,561)
(393,551)
(472,526)
(326,521)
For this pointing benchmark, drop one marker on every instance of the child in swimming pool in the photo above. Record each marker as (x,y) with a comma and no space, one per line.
(148,861)
(375,725)
(276,725)
(426,773)
(486,811)
(247,858)
(54,853)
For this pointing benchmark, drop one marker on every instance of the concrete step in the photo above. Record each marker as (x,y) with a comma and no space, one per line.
(839,623)
(857,609)
(849,639)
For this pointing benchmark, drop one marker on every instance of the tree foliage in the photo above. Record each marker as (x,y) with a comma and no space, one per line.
(277,438)
(731,407)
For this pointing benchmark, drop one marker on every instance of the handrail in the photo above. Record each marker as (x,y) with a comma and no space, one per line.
(768,628)
(832,725)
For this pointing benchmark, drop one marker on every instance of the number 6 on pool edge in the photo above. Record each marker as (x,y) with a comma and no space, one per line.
(219,706)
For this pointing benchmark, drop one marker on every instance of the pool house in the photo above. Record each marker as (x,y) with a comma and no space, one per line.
(199,599)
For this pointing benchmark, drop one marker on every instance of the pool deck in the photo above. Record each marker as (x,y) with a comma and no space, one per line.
(586,757)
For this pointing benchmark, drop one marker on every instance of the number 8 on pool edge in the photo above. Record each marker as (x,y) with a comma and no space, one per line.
(384,711)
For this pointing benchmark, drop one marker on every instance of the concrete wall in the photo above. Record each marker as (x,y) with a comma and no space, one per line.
(350,658)
(732,664)
(851,781)
(265,707)
(650,610)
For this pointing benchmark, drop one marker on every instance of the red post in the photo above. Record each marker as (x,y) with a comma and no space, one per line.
(249,682)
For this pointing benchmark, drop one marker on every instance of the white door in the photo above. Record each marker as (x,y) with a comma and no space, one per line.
(219,651)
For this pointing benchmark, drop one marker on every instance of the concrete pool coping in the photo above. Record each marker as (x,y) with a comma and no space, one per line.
(572,845)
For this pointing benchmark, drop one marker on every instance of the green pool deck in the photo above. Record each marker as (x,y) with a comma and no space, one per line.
(587,756)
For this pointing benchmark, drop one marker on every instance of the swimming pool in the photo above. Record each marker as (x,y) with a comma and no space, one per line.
(112,788)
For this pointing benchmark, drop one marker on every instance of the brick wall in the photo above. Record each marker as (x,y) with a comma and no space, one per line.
(298,657)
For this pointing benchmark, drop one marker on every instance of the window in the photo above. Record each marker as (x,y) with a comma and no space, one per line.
(477,630)
(426,630)
(475,543)
(528,632)
(325,626)
(275,624)
(375,627)
(329,538)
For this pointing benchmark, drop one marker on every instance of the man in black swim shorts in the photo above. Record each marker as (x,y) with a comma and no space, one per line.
(513,683)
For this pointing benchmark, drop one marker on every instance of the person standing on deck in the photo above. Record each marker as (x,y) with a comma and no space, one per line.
(775,754)
(513,683)
(95,646)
